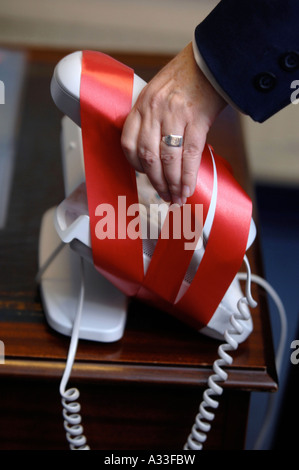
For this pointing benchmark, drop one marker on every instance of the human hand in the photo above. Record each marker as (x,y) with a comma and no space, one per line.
(178,100)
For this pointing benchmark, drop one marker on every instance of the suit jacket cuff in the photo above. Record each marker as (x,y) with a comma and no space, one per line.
(249,51)
(210,77)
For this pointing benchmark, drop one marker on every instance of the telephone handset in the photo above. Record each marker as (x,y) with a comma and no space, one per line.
(69,225)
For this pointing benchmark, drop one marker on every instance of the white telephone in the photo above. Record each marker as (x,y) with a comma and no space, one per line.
(101,311)
(71,217)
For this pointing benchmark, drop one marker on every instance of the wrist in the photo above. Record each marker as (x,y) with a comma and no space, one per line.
(209,76)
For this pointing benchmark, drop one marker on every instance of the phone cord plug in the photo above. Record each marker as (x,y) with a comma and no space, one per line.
(203,419)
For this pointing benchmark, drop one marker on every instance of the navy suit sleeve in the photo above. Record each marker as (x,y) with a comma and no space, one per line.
(251,49)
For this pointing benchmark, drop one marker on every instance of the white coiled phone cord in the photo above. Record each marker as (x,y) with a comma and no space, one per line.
(204,418)
(71,407)
(279,354)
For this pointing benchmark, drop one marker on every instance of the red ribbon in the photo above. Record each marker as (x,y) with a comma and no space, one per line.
(106,98)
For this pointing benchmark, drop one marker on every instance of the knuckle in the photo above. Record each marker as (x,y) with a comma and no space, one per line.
(127,147)
(147,157)
(189,173)
(191,151)
(168,158)
(127,144)
(155,101)
(176,102)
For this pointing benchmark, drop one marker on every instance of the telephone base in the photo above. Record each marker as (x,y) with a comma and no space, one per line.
(105,307)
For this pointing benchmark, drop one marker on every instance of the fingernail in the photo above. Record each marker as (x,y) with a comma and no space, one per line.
(176,200)
(186,191)
(184,200)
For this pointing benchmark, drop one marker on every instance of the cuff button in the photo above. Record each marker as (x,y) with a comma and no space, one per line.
(265,81)
(289,61)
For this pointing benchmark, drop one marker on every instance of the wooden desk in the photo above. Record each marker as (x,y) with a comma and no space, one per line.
(142,392)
